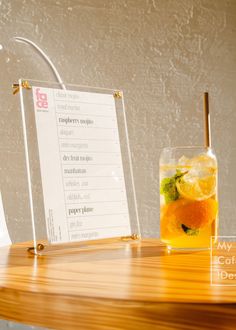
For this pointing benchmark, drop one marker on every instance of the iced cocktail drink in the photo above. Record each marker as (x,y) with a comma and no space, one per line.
(188,197)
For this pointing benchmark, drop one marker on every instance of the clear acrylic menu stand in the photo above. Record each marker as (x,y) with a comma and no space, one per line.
(95,170)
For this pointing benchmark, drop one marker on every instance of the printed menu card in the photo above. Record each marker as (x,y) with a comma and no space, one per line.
(81,165)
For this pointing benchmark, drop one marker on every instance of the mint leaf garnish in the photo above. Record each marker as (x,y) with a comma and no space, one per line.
(168,187)
(169,190)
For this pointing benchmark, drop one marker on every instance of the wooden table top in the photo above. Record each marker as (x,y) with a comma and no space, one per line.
(115,285)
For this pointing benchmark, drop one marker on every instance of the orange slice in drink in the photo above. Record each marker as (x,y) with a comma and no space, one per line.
(183,213)
(195,188)
(197,214)
(170,226)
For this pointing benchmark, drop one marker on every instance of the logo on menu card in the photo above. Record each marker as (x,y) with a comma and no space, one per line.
(41,99)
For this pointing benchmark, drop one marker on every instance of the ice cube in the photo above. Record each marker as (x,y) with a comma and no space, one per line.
(203,160)
(203,165)
(183,161)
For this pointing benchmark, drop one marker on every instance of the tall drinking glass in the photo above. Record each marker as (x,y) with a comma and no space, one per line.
(188,197)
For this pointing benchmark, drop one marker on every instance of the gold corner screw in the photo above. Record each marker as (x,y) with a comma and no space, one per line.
(33,250)
(117,94)
(16,87)
(133,237)
(25,84)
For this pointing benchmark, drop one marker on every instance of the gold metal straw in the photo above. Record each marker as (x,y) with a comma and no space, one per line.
(207,121)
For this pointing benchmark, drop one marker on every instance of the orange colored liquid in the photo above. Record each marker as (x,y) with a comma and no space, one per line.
(188,223)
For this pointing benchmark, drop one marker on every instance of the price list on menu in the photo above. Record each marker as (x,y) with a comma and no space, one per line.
(81,165)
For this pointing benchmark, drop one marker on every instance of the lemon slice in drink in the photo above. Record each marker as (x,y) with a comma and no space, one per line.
(195,188)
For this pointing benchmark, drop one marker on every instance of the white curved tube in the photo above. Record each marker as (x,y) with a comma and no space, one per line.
(42,53)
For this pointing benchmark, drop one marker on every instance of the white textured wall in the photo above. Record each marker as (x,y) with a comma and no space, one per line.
(163,54)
